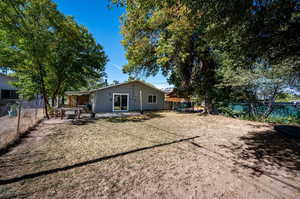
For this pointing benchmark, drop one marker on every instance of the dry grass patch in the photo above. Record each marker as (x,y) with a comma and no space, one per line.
(134,157)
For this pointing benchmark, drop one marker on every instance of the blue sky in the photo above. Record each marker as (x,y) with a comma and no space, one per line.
(103,23)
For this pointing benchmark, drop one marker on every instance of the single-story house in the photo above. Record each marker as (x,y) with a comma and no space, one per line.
(129,96)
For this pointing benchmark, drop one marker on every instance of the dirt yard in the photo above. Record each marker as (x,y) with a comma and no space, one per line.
(8,125)
(161,155)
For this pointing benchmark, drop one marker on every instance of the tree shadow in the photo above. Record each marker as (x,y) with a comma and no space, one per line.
(19,139)
(137,118)
(257,126)
(88,162)
(267,151)
(83,121)
(288,130)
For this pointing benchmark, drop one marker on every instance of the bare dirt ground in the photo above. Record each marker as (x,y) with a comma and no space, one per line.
(161,155)
(8,125)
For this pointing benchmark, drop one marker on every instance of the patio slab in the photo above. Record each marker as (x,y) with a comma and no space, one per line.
(120,114)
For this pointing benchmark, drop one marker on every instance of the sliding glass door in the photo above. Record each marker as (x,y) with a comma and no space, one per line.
(120,102)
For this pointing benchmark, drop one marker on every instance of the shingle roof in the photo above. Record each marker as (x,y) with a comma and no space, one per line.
(129,82)
(112,86)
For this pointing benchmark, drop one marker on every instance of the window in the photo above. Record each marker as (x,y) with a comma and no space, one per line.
(152,99)
(120,102)
(9,94)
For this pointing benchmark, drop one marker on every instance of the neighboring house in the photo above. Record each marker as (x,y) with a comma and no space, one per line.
(174,102)
(129,96)
(186,104)
(8,93)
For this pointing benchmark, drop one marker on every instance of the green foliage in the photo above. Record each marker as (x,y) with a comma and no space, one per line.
(115,82)
(246,48)
(169,37)
(283,120)
(49,53)
(94,84)
(287,97)
(225,110)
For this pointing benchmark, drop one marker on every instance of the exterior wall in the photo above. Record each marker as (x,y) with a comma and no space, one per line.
(75,100)
(102,100)
(4,85)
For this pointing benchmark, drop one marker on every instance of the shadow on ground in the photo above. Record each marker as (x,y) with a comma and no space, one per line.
(137,118)
(81,164)
(268,150)
(257,126)
(83,121)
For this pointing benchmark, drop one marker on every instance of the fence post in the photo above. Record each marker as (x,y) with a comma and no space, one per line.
(36,112)
(19,117)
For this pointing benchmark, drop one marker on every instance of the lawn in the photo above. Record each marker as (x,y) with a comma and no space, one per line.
(158,155)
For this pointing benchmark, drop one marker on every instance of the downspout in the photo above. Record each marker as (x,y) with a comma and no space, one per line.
(141,102)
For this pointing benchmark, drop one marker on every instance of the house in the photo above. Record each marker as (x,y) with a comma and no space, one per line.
(129,96)
(8,93)
(174,101)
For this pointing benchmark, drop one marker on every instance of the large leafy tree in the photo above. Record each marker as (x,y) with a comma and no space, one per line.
(29,33)
(49,52)
(192,41)
(167,36)
(76,59)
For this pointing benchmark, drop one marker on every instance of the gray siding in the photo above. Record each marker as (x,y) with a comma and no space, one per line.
(5,84)
(102,99)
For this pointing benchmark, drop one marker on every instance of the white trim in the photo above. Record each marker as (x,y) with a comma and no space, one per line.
(113,102)
(141,100)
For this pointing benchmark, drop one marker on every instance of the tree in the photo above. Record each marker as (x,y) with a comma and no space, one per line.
(115,82)
(132,78)
(168,37)
(191,41)
(49,52)
(77,61)
(94,84)
(259,87)
(27,28)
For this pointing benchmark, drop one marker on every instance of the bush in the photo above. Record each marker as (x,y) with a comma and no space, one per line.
(225,110)
(283,120)
(244,115)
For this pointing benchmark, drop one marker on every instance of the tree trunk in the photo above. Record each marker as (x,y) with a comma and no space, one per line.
(62,100)
(44,92)
(208,105)
(53,101)
(269,110)
(209,81)
(55,95)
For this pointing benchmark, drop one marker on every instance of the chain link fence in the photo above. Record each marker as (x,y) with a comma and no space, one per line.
(19,119)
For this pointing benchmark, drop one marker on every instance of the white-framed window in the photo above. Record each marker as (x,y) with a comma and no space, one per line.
(120,102)
(152,99)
